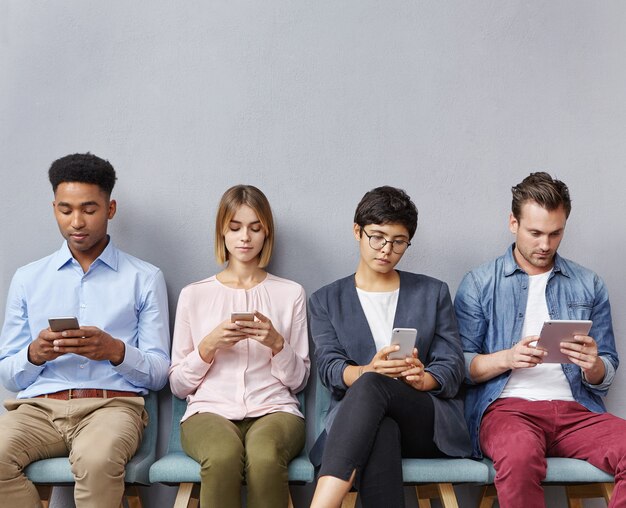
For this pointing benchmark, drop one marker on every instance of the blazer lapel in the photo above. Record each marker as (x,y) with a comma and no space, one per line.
(363,348)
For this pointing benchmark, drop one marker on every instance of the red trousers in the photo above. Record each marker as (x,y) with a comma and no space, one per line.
(519,434)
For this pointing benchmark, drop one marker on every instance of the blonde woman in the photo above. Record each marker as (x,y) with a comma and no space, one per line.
(240,377)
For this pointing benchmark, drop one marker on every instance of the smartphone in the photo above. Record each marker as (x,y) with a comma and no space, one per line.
(556,331)
(405,338)
(60,324)
(241,316)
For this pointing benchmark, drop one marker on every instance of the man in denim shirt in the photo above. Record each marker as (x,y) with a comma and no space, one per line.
(520,410)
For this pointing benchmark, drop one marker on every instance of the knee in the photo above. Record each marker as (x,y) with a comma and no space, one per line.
(97,461)
(9,462)
(226,459)
(524,465)
(265,457)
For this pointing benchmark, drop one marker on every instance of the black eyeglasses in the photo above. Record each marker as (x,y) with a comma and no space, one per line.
(378,242)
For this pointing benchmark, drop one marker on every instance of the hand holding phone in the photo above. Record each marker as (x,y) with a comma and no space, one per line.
(405,338)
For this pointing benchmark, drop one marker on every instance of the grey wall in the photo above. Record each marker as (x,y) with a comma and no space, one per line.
(316,103)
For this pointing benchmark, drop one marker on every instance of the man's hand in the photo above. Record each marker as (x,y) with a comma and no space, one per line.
(584,353)
(41,350)
(92,343)
(522,355)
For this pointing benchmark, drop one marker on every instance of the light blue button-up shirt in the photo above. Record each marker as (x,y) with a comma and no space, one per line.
(120,294)
(490,307)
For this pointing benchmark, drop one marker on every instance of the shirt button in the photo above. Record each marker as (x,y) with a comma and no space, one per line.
(520,315)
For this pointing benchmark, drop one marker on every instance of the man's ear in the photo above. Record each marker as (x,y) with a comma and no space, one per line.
(513,224)
(112,209)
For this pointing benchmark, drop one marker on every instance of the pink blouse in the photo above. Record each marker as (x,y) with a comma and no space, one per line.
(245,380)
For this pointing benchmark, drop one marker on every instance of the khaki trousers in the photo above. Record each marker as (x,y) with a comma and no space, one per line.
(99,435)
(257,450)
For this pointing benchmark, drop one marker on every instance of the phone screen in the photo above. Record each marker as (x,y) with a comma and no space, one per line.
(59,324)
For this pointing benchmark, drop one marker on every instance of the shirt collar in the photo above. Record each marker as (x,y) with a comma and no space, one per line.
(511,266)
(109,256)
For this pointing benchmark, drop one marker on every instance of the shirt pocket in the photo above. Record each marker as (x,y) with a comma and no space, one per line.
(579,309)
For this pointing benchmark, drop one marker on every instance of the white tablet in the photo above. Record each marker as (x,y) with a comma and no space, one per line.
(556,331)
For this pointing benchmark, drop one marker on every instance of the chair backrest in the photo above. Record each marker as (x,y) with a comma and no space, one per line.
(149,441)
(179,406)
(322,402)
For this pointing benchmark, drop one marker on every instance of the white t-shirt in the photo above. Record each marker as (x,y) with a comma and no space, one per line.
(380,310)
(546,381)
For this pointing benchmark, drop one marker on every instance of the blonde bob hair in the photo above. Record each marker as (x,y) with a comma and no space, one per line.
(232,199)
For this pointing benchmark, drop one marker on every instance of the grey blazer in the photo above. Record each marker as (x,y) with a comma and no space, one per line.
(342,337)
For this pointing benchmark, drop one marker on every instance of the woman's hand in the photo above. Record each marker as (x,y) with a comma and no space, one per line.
(262,331)
(382,365)
(415,375)
(223,336)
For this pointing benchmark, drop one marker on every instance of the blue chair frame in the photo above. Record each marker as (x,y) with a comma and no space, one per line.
(432,478)
(48,473)
(177,468)
(580,479)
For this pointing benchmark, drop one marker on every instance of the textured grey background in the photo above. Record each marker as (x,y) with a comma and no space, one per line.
(316,103)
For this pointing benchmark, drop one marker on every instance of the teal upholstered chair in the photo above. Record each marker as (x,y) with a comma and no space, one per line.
(47,473)
(177,468)
(581,481)
(432,478)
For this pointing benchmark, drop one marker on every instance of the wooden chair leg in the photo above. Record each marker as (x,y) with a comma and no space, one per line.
(133,499)
(184,495)
(349,501)
(442,491)
(576,493)
(425,493)
(607,491)
(45,493)
(447,495)
(488,497)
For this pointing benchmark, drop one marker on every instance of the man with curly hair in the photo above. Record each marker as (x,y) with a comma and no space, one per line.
(79,390)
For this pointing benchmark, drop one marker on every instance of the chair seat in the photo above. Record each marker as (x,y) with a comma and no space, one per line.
(444,470)
(178,467)
(563,470)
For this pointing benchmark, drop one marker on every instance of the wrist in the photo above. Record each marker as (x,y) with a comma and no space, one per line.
(119,352)
(34,359)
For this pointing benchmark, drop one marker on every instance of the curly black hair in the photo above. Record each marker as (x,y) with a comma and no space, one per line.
(387,205)
(83,168)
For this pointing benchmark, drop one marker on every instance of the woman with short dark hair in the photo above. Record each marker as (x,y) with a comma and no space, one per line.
(383,409)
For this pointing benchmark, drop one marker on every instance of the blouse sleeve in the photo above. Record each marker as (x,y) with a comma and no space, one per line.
(188,369)
(291,365)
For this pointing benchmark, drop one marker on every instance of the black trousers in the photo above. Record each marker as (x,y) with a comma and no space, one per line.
(380,421)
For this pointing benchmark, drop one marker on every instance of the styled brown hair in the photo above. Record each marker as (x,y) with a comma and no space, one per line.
(540,187)
(232,199)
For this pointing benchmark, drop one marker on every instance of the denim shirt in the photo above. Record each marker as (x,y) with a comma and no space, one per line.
(490,306)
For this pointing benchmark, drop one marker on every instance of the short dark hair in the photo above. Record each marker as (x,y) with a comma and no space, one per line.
(387,205)
(83,168)
(540,187)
